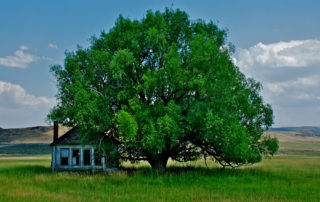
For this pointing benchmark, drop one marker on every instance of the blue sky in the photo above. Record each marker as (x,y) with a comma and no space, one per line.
(277,43)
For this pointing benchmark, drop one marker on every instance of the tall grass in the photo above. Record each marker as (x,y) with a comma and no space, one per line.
(284,178)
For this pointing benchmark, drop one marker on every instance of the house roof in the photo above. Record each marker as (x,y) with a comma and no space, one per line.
(69,138)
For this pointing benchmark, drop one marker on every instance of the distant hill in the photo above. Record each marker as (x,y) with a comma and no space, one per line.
(304,130)
(36,140)
(297,140)
(38,134)
(27,141)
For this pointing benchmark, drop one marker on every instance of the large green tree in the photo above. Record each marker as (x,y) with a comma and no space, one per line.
(163,87)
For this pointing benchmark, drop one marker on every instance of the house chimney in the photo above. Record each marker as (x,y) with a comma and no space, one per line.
(55,131)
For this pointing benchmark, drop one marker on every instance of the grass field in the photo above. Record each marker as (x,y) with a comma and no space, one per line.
(293,175)
(283,178)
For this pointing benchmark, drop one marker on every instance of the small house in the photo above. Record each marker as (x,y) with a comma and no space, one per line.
(69,154)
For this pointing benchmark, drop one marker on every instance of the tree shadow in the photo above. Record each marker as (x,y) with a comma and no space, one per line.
(192,171)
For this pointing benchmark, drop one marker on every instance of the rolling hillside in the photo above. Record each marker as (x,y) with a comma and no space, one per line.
(39,134)
(27,141)
(297,140)
(36,140)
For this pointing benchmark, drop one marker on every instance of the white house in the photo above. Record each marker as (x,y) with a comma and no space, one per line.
(69,154)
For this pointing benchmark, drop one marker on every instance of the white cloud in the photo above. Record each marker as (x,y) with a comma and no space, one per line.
(54,46)
(46,58)
(297,53)
(20,59)
(15,94)
(302,83)
(290,74)
(19,108)
(23,47)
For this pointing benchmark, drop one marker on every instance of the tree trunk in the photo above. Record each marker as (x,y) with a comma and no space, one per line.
(159,163)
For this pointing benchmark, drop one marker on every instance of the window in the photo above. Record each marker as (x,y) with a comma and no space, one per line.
(86,157)
(75,157)
(97,158)
(64,154)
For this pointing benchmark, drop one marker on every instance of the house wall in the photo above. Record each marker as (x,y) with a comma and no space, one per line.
(56,159)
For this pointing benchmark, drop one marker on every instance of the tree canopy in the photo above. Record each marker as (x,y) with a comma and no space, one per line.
(164,87)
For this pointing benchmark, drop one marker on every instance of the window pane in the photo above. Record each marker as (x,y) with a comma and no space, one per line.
(75,157)
(64,157)
(64,153)
(86,157)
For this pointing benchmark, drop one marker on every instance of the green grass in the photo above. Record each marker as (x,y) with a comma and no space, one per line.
(24,149)
(283,178)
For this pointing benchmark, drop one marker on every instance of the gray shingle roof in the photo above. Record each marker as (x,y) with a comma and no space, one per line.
(69,138)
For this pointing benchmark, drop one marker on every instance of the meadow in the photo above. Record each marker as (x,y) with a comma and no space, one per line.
(282,178)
